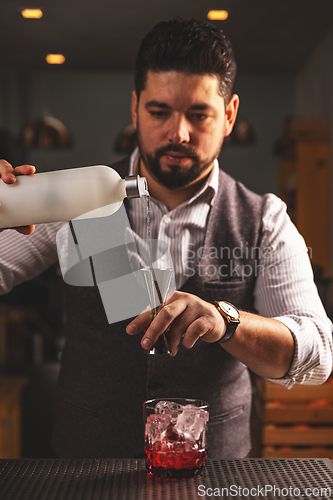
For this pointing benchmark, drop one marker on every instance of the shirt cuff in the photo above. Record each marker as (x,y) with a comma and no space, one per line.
(312,361)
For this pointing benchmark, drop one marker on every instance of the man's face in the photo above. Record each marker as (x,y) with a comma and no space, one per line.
(181,123)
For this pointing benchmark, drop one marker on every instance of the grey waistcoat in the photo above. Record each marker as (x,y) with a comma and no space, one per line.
(106,375)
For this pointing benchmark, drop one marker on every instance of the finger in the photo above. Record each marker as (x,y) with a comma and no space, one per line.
(179,326)
(25,170)
(25,229)
(162,322)
(200,327)
(174,341)
(21,229)
(140,323)
(210,327)
(7,172)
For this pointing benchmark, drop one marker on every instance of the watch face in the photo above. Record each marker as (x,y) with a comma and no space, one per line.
(229,309)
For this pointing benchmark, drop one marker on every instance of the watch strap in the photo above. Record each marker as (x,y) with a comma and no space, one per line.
(231,328)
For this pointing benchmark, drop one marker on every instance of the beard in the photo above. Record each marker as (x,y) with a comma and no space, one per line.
(175,176)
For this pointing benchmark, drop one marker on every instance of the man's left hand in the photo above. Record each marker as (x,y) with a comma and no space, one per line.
(186,317)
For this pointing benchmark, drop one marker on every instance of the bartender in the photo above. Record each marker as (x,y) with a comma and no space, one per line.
(233,310)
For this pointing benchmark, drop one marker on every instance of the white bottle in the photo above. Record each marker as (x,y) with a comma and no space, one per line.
(64,195)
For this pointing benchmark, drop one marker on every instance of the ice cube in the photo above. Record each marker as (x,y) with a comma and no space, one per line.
(156,425)
(191,445)
(191,422)
(171,434)
(168,407)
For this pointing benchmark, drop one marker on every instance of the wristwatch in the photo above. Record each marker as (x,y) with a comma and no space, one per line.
(231,317)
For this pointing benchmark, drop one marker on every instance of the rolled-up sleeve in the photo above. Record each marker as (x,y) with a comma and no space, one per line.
(285,291)
(24,257)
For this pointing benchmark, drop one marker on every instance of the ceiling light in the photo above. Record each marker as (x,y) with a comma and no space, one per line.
(32,13)
(55,58)
(218,15)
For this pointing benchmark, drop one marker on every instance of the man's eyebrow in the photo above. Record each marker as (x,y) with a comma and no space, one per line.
(157,104)
(160,104)
(201,107)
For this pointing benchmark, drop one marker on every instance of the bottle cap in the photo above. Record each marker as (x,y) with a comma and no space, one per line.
(136,186)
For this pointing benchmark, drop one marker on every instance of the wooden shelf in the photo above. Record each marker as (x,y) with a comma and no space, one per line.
(294,435)
(295,423)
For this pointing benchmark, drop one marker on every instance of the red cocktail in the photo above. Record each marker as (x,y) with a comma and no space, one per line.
(176,464)
(175,437)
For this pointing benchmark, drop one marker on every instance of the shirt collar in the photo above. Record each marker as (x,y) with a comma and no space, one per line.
(209,188)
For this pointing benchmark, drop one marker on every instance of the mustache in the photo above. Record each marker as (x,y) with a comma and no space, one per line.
(177,148)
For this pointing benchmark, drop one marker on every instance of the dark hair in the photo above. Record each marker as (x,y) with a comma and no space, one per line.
(187,46)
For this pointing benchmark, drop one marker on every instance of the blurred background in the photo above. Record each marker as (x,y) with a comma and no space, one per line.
(77,113)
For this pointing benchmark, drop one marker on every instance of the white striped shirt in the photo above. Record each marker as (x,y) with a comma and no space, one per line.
(288,294)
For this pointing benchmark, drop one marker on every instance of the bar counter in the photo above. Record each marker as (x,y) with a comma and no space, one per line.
(127,479)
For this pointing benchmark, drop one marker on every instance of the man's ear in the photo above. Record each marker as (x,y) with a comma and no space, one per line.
(231,114)
(134,109)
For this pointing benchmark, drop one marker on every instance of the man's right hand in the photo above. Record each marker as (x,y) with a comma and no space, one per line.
(8,175)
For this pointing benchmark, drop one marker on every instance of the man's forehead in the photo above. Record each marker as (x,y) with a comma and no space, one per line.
(171,83)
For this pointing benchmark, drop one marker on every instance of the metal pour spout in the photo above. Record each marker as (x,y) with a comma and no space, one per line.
(136,186)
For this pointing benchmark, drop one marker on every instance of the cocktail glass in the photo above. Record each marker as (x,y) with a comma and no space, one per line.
(175,437)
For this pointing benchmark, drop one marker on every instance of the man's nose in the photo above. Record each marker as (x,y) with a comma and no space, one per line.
(179,130)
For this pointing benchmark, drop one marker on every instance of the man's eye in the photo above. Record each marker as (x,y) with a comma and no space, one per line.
(158,114)
(198,116)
